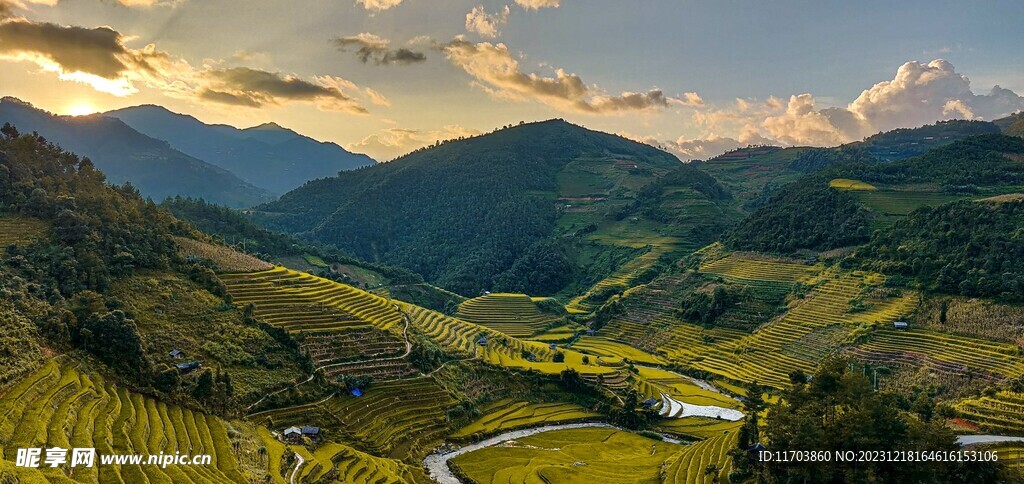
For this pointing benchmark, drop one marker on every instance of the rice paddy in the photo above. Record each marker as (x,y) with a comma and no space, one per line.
(224,258)
(1001,412)
(575,455)
(513,314)
(851,185)
(61,406)
(509,414)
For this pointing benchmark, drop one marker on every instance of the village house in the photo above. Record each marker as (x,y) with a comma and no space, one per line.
(177,354)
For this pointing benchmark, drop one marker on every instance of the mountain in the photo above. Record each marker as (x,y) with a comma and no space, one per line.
(842,205)
(268,156)
(532,208)
(125,155)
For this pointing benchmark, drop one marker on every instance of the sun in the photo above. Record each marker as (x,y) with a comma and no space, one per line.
(81,108)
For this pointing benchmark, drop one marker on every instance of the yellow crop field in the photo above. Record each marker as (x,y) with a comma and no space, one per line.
(853,185)
(513,314)
(508,414)
(576,455)
(224,258)
(61,406)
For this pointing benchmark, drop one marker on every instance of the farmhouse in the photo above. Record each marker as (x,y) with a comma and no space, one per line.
(482,341)
(177,354)
(293,434)
(313,433)
(188,366)
(900,325)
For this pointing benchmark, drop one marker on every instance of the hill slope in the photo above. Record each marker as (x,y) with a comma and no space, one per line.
(125,155)
(268,156)
(465,213)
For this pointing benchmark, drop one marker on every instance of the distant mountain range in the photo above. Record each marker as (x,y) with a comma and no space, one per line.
(125,155)
(268,156)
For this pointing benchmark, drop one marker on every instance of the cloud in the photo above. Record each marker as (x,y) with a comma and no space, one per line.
(802,124)
(538,4)
(379,5)
(97,57)
(394,142)
(918,94)
(368,46)
(244,86)
(486,24)
(377,98)
(494,69)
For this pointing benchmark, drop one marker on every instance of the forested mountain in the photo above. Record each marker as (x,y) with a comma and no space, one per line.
(267,156)
(125,155)
(465,212)
(810,214)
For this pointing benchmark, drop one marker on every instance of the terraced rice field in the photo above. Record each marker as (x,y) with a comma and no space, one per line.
(891,205)
(944,353)
(224,258)
(622,278)
(396,419)
(513,314)
(360,343)
(798,339)
(336,462)
(851,185)
(576,455)
(746,268)
(463,338)
(301,302)
(1001,413)
(16,229)
(691,464)
(604,347)
(505,415)
(1011,456)
(60,406)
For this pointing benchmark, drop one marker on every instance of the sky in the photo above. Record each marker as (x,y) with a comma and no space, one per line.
(387,76)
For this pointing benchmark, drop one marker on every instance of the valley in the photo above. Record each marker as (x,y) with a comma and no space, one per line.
(671,329)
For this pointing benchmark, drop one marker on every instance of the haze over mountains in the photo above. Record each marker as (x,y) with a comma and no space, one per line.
(268,156)
(125,155)
(165,154)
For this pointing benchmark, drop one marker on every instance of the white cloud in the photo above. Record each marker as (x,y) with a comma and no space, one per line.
(394,142)
(486,24)
(802,124)
(499,73)
(538,4)
(379,5)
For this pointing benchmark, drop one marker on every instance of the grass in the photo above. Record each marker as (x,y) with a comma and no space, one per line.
(61,405)
(509,414)
(851,185)
(577,455)
(513,314)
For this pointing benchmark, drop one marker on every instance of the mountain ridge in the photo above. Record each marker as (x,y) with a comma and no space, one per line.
(268,155)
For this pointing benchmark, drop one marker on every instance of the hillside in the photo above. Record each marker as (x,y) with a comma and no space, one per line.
(579,197)
(816,214)
(125,155)
(267,156)
(753,175)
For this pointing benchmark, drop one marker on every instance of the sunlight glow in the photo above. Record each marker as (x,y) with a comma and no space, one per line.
(81,108)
